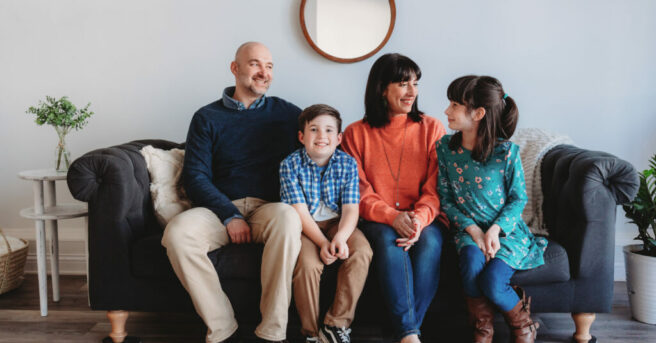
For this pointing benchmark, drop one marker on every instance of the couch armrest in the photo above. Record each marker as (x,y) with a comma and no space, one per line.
(582,189)
(115,183)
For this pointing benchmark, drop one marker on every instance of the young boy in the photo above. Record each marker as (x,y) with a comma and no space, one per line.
(321,183)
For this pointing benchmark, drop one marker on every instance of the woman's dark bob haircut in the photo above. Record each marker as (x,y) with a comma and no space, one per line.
(389,68)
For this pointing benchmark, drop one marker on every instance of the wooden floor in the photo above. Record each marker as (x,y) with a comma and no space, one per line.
(70,320)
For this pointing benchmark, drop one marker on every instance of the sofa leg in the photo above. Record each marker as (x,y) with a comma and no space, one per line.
(118,335)
(583,321)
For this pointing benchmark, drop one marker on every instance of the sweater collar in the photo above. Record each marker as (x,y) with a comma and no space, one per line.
(233,104)
(398,121)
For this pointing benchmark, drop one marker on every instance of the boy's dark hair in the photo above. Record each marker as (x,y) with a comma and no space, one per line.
(501,113)
(314,111)
(387,69)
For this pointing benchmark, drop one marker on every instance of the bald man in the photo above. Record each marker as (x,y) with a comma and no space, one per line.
(234,147)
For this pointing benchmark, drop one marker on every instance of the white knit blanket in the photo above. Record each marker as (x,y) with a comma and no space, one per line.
(533,145)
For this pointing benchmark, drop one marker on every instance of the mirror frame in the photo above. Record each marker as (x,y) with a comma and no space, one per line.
(348,60)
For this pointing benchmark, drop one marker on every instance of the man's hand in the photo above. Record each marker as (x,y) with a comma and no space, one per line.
(338,247)
(404,225)
(479,238)
(326,256)
(239,231)
(492,244)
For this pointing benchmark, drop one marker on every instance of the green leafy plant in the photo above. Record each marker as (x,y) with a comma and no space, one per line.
(642,210)
(60,112)
(64,116)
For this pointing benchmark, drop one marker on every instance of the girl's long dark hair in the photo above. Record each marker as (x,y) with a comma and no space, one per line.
(387,69)
(501,113)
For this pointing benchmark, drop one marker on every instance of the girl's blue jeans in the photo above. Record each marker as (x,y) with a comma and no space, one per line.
(491,280)
(408,279)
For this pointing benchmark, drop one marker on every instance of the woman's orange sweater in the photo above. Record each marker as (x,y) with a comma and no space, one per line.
(418,173)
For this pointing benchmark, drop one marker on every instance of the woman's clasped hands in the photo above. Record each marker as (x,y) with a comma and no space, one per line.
(408,226)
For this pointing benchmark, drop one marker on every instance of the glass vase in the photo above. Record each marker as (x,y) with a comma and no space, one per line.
(62,155)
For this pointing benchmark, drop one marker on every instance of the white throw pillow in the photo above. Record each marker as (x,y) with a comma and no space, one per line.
(165,167)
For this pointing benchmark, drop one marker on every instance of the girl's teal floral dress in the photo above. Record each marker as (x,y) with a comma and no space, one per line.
(487,193)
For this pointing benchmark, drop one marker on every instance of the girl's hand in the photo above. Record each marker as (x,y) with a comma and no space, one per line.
(479,238)
(339,248)
(403,224)
(492,244)
(326,256)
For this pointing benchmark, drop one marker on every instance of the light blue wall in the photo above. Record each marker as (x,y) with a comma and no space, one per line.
(582,68)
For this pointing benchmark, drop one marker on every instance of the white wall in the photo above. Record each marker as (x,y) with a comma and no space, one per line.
(583,68)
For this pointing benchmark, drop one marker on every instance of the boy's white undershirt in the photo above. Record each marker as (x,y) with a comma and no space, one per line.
(324,213)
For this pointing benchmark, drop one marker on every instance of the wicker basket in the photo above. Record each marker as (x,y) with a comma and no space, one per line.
(12,265)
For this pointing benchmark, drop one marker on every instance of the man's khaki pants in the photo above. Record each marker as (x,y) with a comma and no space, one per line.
(351,276)
(192,234)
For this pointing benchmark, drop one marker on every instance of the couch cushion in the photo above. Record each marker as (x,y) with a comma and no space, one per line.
(238,261)
(233,261)
(148,258)
(554,269)
(244,262)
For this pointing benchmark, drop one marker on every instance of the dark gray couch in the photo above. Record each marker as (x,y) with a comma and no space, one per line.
(129,269)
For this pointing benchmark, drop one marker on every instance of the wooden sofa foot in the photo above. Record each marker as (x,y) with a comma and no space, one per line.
(583,321)
(118,335)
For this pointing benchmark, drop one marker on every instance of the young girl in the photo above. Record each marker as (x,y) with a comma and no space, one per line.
(482,191)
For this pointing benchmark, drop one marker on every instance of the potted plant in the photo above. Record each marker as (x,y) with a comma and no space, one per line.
(63,116)
(640,259)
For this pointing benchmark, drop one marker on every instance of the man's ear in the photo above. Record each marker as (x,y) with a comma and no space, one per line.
(233,68)
(339,138)
(478,114)
(300,136)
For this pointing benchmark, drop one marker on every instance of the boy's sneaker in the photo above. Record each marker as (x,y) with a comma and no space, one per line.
(332,334)
(312,340)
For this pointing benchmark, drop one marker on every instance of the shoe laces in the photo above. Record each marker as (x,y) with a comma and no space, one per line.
(344,334)
(526,304)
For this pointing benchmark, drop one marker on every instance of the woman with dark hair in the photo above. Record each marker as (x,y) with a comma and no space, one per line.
(394,146)
(481,185)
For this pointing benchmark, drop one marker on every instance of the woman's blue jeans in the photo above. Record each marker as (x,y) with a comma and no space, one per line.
(491,280)
(408,279)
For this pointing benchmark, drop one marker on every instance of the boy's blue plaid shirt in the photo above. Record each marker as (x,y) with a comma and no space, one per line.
(301,181)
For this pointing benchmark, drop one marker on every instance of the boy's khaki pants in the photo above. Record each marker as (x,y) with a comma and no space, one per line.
(192,234)
(351,276)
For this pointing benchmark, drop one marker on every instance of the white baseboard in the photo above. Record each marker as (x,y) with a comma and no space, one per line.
(72,249)
(68,265)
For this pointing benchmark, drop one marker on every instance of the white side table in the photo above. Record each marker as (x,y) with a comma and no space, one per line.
(50,212)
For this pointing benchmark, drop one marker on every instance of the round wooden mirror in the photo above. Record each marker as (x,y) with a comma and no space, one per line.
(347,31)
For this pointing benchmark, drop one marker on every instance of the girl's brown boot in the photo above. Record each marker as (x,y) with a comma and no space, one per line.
(481,314)
(522,327)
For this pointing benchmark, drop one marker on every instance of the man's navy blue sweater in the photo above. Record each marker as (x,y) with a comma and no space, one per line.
(233,154)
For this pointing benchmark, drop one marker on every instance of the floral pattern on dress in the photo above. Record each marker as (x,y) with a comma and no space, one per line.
(488,193)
